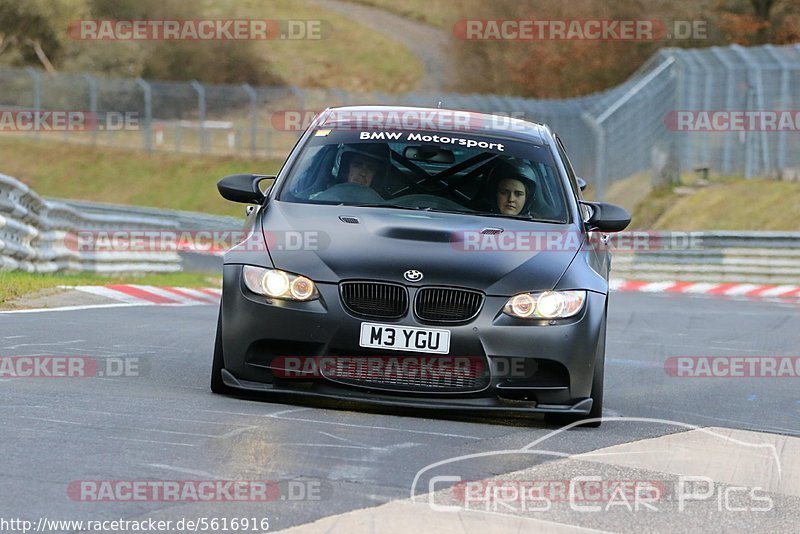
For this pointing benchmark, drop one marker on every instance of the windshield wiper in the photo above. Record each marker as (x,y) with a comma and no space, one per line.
(378,205)
(517,217)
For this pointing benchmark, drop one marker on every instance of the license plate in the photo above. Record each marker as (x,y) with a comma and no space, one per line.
(383,336)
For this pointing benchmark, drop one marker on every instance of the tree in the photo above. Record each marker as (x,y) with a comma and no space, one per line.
(35,30)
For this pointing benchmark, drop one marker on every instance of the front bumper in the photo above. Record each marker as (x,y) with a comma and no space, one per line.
(531,366)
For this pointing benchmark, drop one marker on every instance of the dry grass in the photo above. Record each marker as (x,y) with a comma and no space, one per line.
(161,180)
(731,205)
(352,57)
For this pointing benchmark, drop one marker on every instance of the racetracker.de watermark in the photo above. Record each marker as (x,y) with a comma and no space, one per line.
(40,120)
(579,30)
(203,241)
(199,29)
(218,491)
(41,366)
(293,120)
(571,241)
(379,367)
(734,120)
(733,366)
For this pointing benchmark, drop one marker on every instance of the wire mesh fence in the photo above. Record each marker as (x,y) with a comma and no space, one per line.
(678,112)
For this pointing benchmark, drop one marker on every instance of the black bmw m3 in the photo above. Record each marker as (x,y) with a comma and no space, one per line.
(422,258)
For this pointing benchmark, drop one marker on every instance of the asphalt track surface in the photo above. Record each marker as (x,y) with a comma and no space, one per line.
(165,424)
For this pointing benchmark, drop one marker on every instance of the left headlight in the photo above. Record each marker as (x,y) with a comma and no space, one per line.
(545,305)
(279,284)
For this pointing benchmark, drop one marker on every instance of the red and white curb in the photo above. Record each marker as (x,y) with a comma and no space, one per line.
(152,295)
(729,289)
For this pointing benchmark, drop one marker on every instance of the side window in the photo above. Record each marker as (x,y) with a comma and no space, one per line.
(571,175)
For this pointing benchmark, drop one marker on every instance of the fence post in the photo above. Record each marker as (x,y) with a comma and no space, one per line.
(727,167)
(600,154)
(686,100)
(92,83)
(201,113)
(785,102)
(148,113)
(301,98)
(37,92)
(251,93)
(707,88)
(755,82)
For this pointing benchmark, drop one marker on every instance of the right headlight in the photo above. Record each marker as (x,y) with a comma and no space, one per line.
(545,305)
(278,284)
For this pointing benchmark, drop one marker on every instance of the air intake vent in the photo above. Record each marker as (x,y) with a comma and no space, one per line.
(492,231)
(375,299)
(349,219)
(447,305)
(408,376)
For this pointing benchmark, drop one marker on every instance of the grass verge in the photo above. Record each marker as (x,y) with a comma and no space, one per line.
(102,174)
(728,205)
(350,56)
(15,284)
(724,203)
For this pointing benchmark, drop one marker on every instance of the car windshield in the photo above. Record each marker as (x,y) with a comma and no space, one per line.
(450,172)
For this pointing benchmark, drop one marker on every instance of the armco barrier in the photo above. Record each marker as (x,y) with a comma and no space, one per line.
(717,256)
(186,220)
(33,234)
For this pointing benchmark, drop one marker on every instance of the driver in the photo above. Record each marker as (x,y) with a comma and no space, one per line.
(363,163)
(513,187)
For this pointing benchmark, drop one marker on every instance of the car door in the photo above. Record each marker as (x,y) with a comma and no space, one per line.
(598,256)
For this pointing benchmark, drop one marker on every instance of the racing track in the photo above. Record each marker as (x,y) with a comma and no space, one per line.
(166,425)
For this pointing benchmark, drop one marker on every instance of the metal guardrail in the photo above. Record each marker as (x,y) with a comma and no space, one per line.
(38,235)
(33,232)
(716,256)
(185,220)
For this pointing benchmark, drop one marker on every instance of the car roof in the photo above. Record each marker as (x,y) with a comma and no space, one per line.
(395,117)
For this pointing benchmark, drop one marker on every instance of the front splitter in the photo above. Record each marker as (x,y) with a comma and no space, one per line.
(582,407)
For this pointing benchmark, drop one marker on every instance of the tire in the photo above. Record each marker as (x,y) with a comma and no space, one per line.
(597,391)
(218,363)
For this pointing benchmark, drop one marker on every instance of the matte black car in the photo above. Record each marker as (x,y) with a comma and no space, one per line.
(421,258)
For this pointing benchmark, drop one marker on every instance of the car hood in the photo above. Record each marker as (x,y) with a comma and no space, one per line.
(381,243)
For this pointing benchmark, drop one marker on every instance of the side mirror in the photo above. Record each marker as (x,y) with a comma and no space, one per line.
(608,217)
(243,188)
(581,183)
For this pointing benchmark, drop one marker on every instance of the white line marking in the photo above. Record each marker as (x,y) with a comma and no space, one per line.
(370,427)
(333,446)
(76,308)
(56,344)
(350,441)
(293,410)
(195,472)
(194,434)
(152,441)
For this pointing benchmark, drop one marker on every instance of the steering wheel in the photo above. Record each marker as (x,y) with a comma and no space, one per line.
(426,201)
(350,192)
